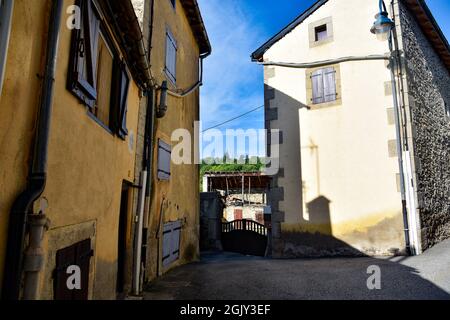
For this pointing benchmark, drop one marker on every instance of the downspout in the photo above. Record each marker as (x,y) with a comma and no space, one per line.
(37,177)
(5,33)
(140,250)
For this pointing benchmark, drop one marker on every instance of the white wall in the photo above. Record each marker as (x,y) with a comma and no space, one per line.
(352,168)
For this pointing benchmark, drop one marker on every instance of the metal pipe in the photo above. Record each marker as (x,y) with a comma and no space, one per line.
(34,256)
(37,177)
(325,62)
(194,87)
(138,237)
(5,33)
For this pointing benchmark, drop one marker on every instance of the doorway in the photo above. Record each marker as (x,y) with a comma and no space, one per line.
(122,244)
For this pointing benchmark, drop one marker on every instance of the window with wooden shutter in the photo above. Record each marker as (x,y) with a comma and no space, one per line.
(124,85)
(84,54)
(164,160)
(79,255)
(171,57)
(171,242)
(323,82)
(97,76)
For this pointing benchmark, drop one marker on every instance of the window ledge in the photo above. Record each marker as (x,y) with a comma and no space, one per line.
(101,124)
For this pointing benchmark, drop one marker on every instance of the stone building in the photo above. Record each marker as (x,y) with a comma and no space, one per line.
(329,89)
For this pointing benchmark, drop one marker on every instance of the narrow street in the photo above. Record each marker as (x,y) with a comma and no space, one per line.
(231,276)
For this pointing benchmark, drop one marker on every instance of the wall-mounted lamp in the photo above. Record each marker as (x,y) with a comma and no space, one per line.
(382,25)
(162,107)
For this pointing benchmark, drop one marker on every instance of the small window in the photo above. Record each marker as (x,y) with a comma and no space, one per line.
(321,32)
(171,57)
(173,2)
(97,76)
(447,109)
(164,159)
(323,85)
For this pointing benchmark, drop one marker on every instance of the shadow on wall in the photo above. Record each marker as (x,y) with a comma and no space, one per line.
(312,235)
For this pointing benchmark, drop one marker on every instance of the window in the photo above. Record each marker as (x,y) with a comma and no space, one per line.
(164,159)
(171,242)
(171,57)
(173,2)
(79,255)
(97,76)
(321,32)
(323,85)
(447,109)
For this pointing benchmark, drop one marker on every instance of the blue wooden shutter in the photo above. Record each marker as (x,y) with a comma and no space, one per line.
(317,87)
(171,56)
(124,84)
(329,84)
(164,159)
(171,242)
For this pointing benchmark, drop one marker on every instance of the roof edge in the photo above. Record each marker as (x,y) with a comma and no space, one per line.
(259,53)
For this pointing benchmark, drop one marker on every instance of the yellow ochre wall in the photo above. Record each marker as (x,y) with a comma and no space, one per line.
(86,163)
(180,196)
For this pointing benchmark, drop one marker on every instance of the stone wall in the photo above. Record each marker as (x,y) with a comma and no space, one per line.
(429,90)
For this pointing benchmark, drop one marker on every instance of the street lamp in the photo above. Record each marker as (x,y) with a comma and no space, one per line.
(382,25)
(384,28)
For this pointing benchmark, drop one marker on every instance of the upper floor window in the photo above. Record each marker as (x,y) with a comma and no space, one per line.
(323,86)
(171,57)
(97,75)
(320,32)
(164,160)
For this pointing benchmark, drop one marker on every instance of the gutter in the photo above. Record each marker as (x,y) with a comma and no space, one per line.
(23,205)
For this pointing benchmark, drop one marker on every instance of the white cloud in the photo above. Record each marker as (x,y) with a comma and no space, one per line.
(232,83)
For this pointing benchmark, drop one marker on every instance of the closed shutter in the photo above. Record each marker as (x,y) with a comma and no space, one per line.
(164,159)
(171,242)
(124,84)
(329,84)
(76,255)
(317,87)
(323,85)
(171,56)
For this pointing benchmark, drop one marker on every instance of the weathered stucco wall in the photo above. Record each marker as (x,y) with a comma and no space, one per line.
(86,163)
(429,89)
(181,114)
(18,104)
(337,191)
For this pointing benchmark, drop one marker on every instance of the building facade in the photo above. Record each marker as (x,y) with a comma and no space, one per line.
(328,88)
(85,122)
(175,32)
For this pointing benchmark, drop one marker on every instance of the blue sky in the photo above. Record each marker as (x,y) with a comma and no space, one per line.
(232,83)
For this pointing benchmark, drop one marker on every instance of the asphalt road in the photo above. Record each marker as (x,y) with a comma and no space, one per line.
(234,277)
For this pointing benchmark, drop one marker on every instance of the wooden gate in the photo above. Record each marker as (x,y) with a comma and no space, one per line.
(244,236)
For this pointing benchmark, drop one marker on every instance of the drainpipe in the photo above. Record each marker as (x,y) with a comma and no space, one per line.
(5,32)
(34,256)
(37,178)
(138,238)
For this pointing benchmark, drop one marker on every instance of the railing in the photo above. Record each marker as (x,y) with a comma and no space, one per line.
(244,225)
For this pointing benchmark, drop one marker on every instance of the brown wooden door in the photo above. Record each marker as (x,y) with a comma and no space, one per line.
(79,255)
